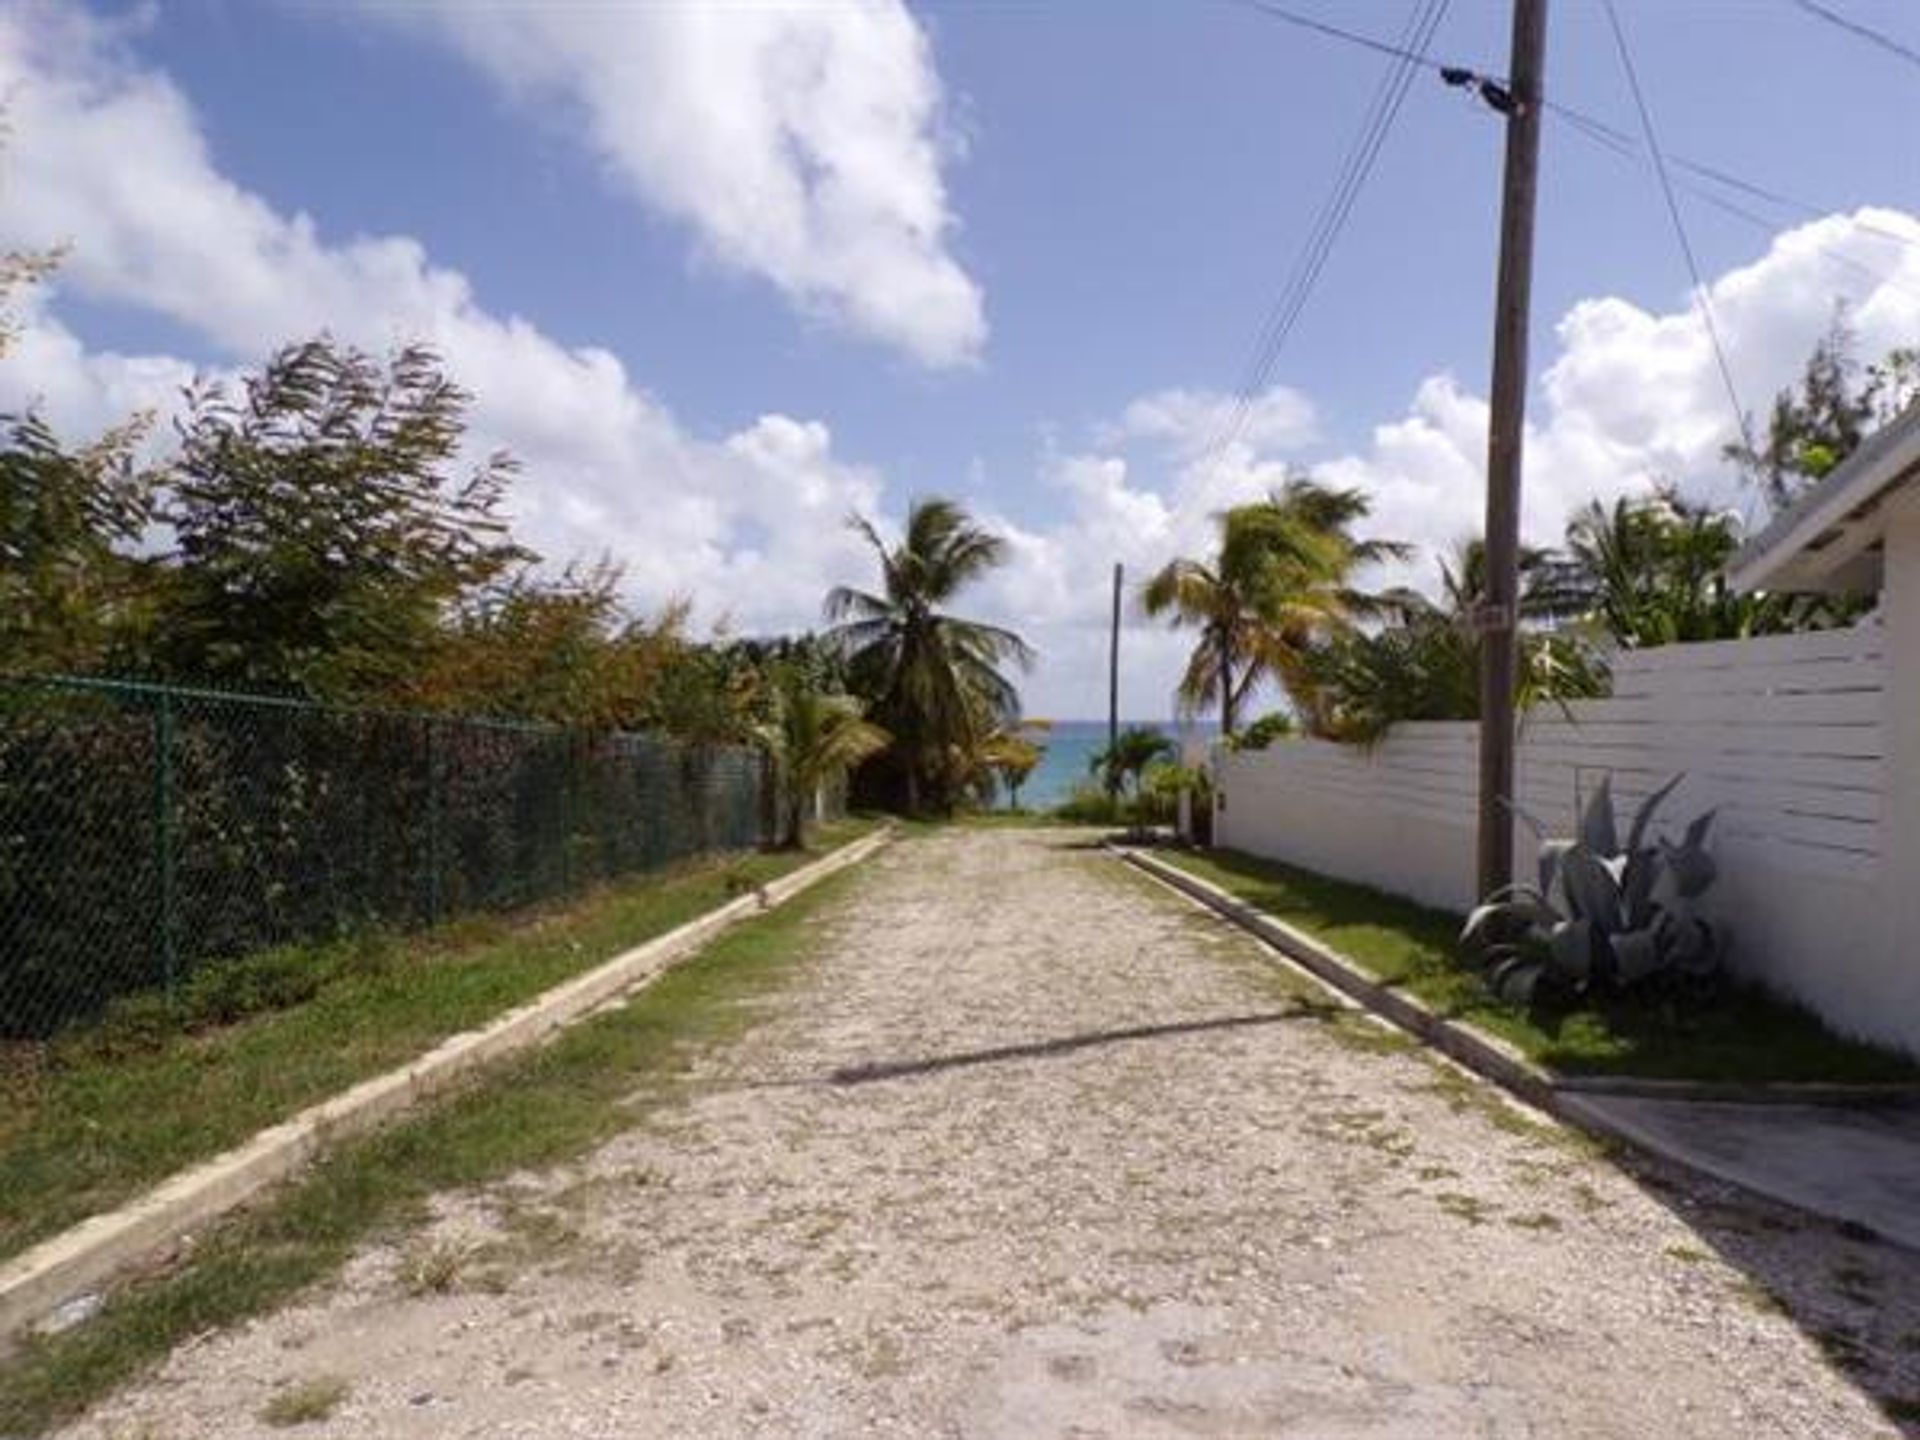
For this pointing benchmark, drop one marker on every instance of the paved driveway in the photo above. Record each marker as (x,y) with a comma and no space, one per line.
(1029,1147)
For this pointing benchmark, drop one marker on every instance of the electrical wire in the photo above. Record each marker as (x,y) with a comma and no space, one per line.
(1595,128)
(1352,37)
(1867,33)
(1614,143)
(1702,298)
(1284,314)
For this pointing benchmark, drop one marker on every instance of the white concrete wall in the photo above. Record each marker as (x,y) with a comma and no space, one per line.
(1785,737)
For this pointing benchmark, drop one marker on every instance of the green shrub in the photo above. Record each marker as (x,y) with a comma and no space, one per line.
(1089,804)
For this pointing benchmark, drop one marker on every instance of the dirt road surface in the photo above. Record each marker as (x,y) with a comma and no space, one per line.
(1029,1147)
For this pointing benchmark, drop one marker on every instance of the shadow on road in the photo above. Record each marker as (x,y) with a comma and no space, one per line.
(1065,1045)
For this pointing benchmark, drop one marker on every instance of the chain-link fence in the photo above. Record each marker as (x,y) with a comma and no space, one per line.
(147,830)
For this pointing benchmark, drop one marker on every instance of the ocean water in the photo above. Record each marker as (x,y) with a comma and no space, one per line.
(1070,748)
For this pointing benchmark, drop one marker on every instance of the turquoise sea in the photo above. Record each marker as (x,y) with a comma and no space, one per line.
(1070,748)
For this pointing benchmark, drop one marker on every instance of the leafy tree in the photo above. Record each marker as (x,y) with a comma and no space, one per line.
(935,681)
(1274,725)
(560,648)
(71,598)
(817,739)
(1821,419)
(1127,758)
(1279,581)
(324,525)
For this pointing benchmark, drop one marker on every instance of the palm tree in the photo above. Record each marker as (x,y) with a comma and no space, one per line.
(1013,754)
(817,738)
(1132,751)
(1280,581)
(1652,571)
(935,680)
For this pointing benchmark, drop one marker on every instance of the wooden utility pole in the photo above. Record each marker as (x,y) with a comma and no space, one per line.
(1113,685)
(1498,618)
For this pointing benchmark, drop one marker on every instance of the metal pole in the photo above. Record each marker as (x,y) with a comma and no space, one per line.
(1497,619)
(1113,686)
(434,786)
(164,841)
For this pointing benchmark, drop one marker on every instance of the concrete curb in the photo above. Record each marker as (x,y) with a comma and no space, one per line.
(1461,1039)
(40,1280)
(1579,1104)
(1478,1052)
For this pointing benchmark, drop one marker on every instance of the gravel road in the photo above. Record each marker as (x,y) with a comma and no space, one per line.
(1029,1147)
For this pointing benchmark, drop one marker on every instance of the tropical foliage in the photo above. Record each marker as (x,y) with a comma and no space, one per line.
(816,738)
(1279,583)
(324,523)
(1652,571)
(328,543)
(1821,419)
(1604,918)
(1009,755)
(935,681)
(1424,662)
(1122,764)
(1272,726)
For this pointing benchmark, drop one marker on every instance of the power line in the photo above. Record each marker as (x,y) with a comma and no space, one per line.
(1609,140)
(1352,37)
(1595,128)
(1679,225)
(1290,303)
(1865,32)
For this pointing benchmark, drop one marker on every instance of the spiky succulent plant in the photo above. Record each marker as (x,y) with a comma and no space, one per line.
(1603,918)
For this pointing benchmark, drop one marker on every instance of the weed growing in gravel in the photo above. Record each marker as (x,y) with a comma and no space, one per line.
(1759,1297)
(307,1402)
(1470,1208)
(431,1269)
(1541,1220)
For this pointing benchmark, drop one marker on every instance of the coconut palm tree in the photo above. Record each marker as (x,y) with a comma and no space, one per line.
(1281,580)
(816,738)
(936,681)
(1127,758)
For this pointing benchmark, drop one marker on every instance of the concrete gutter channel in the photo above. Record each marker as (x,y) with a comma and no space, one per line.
(1847,1153)
(68,1267)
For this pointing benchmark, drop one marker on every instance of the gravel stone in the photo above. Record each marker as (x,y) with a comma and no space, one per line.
(1031,1147)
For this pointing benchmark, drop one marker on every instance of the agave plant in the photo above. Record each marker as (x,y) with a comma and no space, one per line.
(1603,918)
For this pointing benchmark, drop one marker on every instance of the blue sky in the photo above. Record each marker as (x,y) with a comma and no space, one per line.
(721,274)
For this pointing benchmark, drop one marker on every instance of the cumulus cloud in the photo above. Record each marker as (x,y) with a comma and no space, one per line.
(1630,397)
(803,143)
(109,156)
(1193,421)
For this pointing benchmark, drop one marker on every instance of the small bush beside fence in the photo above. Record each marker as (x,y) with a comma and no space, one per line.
(146,831)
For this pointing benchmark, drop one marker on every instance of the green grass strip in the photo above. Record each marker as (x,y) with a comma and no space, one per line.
(110,1112)
(1746,1036)
(539,1110)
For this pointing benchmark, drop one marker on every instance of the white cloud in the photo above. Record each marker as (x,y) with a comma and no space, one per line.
(1630,397)
(110,157)
(1195,421)
(803,143)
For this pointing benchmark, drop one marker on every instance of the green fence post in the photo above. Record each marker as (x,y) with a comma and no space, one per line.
(568,779)
(434,787)
(164,840)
